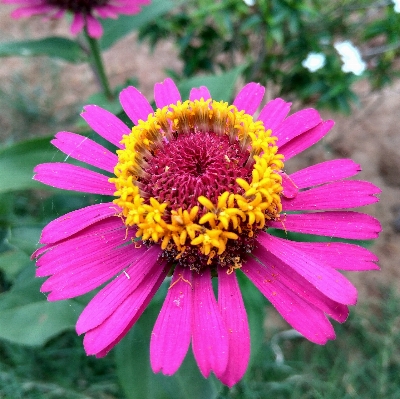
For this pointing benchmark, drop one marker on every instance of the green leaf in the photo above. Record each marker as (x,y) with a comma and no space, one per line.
(221,86)
(56,47)
(115,29)
(12,262)
(138,380)
(35,323)
(26,317)
(18,160)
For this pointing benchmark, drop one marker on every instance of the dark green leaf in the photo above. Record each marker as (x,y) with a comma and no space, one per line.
(12,262)
(26,238)
(36,322)
(18,160)
(56,47)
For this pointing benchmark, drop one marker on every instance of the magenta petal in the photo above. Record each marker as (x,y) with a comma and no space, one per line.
(210,341)
(342,224)
(166,93)
(327,280)
(277,269)
(71,177)
(234,315)
(99,238)
(31,10)
(290,189)
(105,124)
(172,332)
(325,172)
(302,316)
(273,113)
(82,277)
(85,150)
(100,227)
(139,312)
(249,98)
(78,23)
(337,195)
(111,330)
(296,124)
(340,255)
(107,301)
(199,93)
(94,27)
(75,221)
(305,140)
(135,104)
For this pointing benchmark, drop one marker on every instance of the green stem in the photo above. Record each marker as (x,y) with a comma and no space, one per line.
(98,66)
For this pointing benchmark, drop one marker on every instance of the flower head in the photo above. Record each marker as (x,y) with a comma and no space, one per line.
(351,58)
(85,12)
(396,6)
(198,185)
(314,61)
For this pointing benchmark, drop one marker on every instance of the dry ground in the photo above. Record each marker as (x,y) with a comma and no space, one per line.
(370,136)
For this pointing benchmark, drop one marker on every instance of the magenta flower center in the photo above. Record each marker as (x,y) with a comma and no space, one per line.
(78,6)
(194,165)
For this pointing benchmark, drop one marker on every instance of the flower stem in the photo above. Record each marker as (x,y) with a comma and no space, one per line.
(98,66)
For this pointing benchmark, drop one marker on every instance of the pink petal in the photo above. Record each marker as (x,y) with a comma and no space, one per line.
(100,238)
(105,12)
(111,330)
(337,195)
(290,189)
(135,104)
(210,341)
(99,227)
(249,98)
(296,124)
(85,150)
(327,280)
(305,140)
(72,222)
(172,332)
(29,11)
(234,315)
(71,177)
(81,277)
(304,317)
(339,255)
(353,225)
(325,172)
(107,301)
(78,23)
(105,124)
(31,2)
(277,269)
(142,308)
(273,114)
(94,27)
(166,93)
(199,93)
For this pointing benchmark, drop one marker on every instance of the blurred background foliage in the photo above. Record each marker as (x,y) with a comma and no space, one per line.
(219,43)
(273,37)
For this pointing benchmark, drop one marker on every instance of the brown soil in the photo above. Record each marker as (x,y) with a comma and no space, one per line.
(370,136)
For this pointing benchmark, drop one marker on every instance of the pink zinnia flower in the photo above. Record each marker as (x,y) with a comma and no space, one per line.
(85,12)
(197,185)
